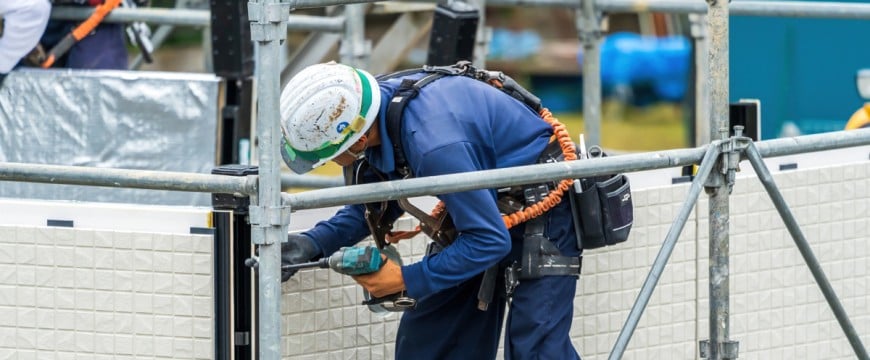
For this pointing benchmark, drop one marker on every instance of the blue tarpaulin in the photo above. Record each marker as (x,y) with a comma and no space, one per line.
(630,59)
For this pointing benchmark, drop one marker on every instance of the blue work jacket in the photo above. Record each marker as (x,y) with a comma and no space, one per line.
(456,124)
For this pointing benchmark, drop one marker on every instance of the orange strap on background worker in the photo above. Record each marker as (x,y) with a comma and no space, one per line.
(80,31)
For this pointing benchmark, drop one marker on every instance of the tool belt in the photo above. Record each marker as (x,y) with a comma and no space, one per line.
(603,210)
(540,257)
(601,206)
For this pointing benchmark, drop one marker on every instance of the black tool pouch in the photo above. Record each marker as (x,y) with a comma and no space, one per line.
(603,211)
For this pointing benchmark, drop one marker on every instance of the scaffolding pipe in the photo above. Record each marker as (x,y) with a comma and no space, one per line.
(702,70)
(315,23)
(127,178)
(269,218)
(812,143)
(194,182)
(664,254)
(188,17)
(354,50)
(482,37)
(588,19)
(168,16)
(529,174)
(799,9)
(310,181)
(806,251)
(719,186)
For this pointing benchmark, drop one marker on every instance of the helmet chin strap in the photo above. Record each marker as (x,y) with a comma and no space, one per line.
(353,153)
(359,147)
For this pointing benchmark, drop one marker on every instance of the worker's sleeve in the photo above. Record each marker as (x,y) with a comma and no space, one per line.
(346,228)
(24,23)
(483,238)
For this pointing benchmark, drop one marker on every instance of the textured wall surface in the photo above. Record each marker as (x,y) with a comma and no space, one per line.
(86,294)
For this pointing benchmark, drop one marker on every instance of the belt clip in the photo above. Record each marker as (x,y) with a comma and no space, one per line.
(511,279)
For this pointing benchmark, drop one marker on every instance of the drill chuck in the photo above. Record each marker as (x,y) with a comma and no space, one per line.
(322,263)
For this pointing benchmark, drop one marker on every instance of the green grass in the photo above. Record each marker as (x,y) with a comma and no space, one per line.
(631,129)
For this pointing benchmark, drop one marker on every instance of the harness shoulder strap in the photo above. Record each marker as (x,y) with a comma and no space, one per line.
(408,90)
(397,74)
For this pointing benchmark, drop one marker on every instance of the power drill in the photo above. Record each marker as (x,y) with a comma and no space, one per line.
(349,261)
(360,260)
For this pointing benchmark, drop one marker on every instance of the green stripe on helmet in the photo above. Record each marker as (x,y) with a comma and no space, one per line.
(366,94)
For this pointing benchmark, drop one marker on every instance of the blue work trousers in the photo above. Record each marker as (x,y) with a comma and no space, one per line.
(448,325)
(104,48)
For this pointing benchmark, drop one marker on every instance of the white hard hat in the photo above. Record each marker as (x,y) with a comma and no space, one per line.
(325,109)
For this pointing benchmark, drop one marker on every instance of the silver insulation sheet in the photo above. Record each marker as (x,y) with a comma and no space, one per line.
(111,119)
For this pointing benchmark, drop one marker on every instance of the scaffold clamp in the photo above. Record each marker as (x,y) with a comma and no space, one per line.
(275,216)
(268,21)
(727,349)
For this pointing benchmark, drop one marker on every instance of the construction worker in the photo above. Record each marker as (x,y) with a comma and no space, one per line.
(333,112)
(102,48)
(23,23)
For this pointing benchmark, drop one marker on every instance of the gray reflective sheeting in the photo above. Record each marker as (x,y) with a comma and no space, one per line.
(107,118)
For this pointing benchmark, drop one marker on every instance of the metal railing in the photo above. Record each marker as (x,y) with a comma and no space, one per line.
(189,17)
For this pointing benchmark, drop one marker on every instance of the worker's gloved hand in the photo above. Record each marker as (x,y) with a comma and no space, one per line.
(298,249)
(386,281)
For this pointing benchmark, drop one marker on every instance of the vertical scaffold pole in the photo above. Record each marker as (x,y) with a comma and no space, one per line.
(702,71)
(719,187)
(589,31)
(355,49)
(483,36)
(268,216)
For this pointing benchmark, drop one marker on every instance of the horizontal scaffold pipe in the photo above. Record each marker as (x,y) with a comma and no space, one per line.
(392,190)
(168,16)
(751,8)
(530,174)
(818,9)
(127,178)
(811,143)
(190,17)
(310,181)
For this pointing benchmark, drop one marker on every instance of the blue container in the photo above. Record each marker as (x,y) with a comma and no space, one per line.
(659,64)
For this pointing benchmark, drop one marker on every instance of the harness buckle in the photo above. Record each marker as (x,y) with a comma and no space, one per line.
(511,279)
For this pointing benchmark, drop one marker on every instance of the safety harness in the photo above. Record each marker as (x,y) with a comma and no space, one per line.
(540,257)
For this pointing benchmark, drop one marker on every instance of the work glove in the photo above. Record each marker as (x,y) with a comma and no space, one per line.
(298,249)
